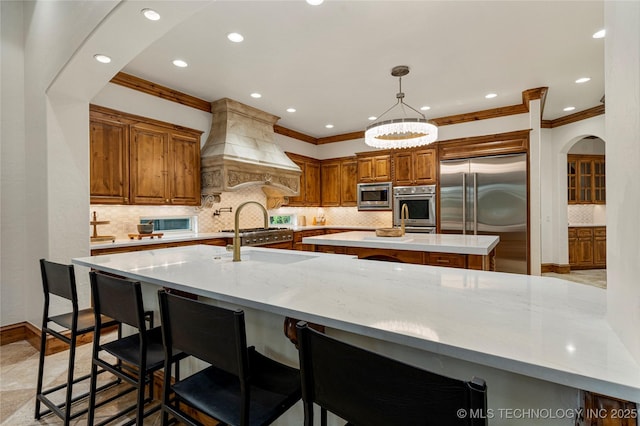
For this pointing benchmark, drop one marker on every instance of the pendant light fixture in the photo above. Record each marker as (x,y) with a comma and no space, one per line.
(402,132)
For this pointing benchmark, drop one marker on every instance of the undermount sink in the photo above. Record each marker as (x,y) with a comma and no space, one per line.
(273,256)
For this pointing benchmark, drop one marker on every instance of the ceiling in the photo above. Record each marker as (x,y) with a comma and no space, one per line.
(332,62)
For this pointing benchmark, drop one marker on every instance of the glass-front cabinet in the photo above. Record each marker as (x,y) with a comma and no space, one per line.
(586,179)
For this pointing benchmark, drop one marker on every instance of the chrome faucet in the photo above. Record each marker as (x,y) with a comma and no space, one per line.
(236,227)
(404,215)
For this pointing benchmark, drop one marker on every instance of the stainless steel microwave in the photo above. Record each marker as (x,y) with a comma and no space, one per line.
(375,196)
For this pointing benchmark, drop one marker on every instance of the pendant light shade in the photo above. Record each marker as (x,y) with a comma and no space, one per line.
(402,132)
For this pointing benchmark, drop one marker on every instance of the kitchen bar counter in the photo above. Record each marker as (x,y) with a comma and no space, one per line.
(442,243)
(506,328)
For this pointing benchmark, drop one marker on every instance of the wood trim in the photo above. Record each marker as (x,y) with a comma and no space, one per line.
(12,333)
(578,116)
(100,112)
(546,124)
(555,267)
(341,138)
(501,143)
(150,88)
(481,115)
(294,134)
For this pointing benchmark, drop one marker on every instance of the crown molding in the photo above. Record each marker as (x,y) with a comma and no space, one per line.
(572,118)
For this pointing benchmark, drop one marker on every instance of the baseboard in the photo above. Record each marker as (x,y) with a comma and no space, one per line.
(554,267)
(581,268)
(27,331)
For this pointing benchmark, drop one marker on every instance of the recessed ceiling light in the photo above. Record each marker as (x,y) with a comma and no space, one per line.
(583,80)
(569,108)
(599,34)
(102,58)
(291,110)
(180,63)
(315,2)
(256,95)
(373,117)
(329,126)
(490,95)
(150,14)
(425,108)
(235,37)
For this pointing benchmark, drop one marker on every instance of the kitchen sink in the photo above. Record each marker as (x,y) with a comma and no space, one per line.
(278,257)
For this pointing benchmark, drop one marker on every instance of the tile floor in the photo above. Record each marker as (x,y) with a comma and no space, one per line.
(19,366)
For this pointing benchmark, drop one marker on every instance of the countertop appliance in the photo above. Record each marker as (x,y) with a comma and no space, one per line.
(374,196)
(421,206)
(488,196)
(263,236)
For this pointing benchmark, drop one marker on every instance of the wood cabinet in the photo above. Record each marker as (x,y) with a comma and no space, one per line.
(127,249)
(338,182)
(299,235)
(310,184)
(602,410)
(136,160)
(414,167)
(374,166)
(587,247)
(108,161)
(586,179)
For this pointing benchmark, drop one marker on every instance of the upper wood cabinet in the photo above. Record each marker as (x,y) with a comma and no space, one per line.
(136,160)
(108,161)
(415,167)
(310,184)
(586,179)
(374,166)
(339,181)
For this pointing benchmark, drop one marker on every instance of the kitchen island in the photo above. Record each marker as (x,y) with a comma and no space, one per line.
(458,251)
(537,341)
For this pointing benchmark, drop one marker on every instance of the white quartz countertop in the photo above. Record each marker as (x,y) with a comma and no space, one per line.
(583,225)
(443,243)
(542,327)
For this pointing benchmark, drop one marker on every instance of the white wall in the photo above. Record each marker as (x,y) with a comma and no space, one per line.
(622,88)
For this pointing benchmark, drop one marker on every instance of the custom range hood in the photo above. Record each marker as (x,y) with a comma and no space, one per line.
(241,152)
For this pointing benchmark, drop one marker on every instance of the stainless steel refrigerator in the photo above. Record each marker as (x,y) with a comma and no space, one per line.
(488,196)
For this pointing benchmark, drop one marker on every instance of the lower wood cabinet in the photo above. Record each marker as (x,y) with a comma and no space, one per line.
(587,247)
(112,250)
(602,410)
(299,235)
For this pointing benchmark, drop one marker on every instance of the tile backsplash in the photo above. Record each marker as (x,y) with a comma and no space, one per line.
(123,219)
(587,213)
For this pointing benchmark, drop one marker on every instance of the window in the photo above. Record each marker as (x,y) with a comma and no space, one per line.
(173,223)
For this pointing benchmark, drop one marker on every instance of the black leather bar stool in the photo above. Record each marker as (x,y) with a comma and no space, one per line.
(59,280)
(240,386)
(136,356)
(365,388)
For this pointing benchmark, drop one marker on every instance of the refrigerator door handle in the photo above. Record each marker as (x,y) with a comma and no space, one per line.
(464,204)
(475,204)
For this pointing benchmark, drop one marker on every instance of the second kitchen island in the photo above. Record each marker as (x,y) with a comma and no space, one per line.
(457,251)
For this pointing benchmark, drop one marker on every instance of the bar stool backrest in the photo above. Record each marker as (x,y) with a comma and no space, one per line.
(58,279)
(366,388)
(191,326)
(118,298)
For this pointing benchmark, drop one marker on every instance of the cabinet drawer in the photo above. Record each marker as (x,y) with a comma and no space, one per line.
(585,232)
(600,232)
(447,259)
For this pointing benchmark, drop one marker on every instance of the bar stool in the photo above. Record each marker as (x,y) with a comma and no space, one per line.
(137,356)
(365,388)
(59,280)
(240,386)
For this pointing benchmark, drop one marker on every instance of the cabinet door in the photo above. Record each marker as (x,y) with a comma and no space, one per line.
(572,180)
(184,161)
(425,166)
(585,181)
(330,174)
(300,199)
(403,168)
(599,186)
(366,172)
(602,410)
(109,162)
(573,247)
(348,183)
(148,165)
(585,246)
(382,168)
(600,246)
(312,184)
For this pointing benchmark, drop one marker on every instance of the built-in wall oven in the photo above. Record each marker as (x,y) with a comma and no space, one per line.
(421,207)
(374,196)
